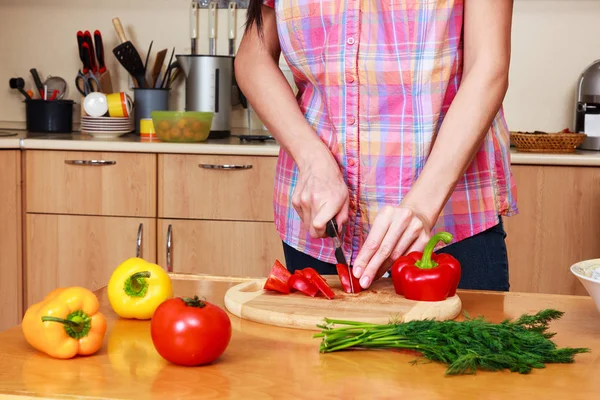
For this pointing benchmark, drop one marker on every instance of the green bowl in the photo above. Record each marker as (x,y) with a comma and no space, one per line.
(182,126)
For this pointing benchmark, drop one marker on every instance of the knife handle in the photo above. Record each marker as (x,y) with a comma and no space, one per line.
(332,229)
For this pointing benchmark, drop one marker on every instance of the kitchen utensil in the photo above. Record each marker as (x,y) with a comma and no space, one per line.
(128,56)
(19,84)
(194,6)
(38,82)
(147,59)
(87,38)
(378,305)
(182,126)
(587,107)
(253,138)
(333,232)
(86,82)
(165,81)
(157,67)
(119,104)
(208,88)
(175,72)
(57,85)
(49,116)
(105,81)
(231,26)
(148,100)
(212,28)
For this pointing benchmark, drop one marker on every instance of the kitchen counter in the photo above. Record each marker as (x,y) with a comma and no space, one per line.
(231,146)
(268,362)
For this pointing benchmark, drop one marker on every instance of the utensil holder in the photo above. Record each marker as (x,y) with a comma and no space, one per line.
(147,100)
(49,116)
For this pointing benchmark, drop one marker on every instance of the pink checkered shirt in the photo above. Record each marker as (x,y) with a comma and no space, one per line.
(375,80)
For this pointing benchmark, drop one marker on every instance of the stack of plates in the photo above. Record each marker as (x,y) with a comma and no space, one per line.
(106,126)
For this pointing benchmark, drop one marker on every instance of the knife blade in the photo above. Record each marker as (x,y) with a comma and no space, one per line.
(333,232)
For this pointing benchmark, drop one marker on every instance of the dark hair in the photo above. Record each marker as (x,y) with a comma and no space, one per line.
(254,16)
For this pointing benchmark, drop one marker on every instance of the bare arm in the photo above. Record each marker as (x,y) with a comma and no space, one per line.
(321,193)
(398,230)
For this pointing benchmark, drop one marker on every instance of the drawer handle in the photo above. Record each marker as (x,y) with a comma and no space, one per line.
(90,162)
(225,166)
(169,238)
(138,247)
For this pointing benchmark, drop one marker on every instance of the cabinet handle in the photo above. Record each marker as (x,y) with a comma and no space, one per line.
(169,238)
(138,247)
(224,166)
(90,162)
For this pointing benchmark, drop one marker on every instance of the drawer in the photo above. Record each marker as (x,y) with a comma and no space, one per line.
(90,183)
(236,188)
(224,248)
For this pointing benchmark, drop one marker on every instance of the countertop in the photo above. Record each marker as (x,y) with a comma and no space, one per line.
(233,146)
(269,362)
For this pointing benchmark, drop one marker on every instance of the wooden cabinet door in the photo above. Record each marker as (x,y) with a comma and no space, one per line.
(226,248)
(11,284)
(68,250)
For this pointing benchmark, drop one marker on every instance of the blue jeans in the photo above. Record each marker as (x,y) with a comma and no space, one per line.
(483,259)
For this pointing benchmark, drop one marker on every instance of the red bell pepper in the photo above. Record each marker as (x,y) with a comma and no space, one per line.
(427,276)
(316,279)
(346,279)
(278,279)
(300,283)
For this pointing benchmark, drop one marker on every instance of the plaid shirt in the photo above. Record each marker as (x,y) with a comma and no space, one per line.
(375,79)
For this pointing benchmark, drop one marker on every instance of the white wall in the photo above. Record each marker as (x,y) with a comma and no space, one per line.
(553,41)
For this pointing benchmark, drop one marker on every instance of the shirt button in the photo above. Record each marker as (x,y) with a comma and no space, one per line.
(351,162)
(349,78)
(351,120)
(350,41)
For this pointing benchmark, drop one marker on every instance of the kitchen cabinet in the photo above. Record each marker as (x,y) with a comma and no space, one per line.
(215,214)
(11,287)
(229,248)
(558,225)
(69,250)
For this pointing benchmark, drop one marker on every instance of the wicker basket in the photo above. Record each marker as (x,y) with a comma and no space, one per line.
(539,142)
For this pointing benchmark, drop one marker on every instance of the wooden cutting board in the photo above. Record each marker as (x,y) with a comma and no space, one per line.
(379,304)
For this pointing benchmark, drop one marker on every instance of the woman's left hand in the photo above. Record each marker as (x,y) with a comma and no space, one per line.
(396,231)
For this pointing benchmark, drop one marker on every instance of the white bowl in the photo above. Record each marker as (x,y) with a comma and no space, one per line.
(581,270)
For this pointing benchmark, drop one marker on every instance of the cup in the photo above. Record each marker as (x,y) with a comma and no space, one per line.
(147,128)
(119,105)
(95,104)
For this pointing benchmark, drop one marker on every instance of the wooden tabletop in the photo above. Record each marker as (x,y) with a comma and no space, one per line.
(268,362)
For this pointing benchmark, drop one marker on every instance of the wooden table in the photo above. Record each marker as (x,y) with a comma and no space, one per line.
(265,362)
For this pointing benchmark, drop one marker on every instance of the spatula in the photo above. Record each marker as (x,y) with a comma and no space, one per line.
(128,56)
(157,67)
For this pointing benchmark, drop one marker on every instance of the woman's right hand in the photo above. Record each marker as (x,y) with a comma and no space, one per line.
(321,193)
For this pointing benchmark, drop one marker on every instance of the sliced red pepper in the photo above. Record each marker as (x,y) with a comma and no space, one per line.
(278,278)
(300,283)
(348,280)
(316,279)
(427,276)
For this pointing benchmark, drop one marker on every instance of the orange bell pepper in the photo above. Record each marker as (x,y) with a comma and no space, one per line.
(66,323)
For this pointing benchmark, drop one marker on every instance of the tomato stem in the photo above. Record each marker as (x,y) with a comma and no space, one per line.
(193,302)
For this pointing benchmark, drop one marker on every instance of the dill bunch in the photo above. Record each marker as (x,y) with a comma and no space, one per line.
(464,346)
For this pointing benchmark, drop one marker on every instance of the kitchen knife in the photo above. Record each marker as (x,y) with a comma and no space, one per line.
(194,25)
(332,232)
(212,28)
(103,72)
(231,27)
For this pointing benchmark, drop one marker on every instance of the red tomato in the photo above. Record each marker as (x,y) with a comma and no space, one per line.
(189,331)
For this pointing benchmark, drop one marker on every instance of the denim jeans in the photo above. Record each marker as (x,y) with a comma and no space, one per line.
(483,259)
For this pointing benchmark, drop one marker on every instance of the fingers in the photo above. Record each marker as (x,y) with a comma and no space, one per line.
(374,239)
(327,212)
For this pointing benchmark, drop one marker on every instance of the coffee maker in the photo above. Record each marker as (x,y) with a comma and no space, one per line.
(587,112)
(209,79)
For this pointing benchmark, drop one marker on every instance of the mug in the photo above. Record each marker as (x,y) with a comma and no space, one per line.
(119,105)
(95,104)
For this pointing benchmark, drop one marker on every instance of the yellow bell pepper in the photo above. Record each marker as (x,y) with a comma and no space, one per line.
(65,324)
(136,288)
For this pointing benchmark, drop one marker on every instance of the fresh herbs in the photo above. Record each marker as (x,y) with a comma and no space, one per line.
(465,346)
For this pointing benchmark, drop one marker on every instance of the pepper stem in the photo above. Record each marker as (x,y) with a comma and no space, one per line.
(136,285)
(426,262)
(193,302)
(77,324)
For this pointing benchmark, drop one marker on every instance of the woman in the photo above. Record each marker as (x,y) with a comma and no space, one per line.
(397,130)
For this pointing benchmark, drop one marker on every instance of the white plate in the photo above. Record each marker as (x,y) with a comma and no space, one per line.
(105,133)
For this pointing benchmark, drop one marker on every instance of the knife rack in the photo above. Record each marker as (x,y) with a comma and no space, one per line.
(225,3)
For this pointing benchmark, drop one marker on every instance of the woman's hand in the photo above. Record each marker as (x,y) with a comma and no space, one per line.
(395,232)
(321,193)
